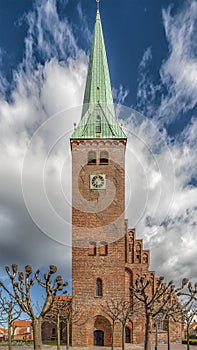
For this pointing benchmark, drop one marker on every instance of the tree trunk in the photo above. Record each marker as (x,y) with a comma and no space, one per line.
(9,332)
(67,334)
(58,331)
(37,323)
(156,336)
(148,333)
(187,337)
(112,339)
(123,336)
(168,329)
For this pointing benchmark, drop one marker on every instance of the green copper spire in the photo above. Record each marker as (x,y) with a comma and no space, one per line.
(98,115)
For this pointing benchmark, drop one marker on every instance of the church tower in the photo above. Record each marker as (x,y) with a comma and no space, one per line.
(98,204)
(107,258)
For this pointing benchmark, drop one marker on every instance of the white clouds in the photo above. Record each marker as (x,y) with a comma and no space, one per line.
(170,228)
(48,35)
(151,169)
(69,79)
(41,90)
(161,199)
(147,91)
(155,179)
(173,241)
(147,56)
(84,24)
(3,82)
(174,249)
(162,195)
(178,73)
(120,94)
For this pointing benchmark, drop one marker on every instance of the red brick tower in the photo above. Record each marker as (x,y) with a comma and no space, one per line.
(98,204)
(107,258)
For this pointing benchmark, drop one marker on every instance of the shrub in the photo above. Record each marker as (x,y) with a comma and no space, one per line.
(191,341)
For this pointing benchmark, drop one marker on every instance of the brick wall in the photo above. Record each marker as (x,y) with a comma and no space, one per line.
(104,248)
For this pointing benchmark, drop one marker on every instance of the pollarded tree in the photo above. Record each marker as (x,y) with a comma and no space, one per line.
(188,291)
(71,316)
(111,309)
(153,299)
(172,311)
(22,283)
(125,311)
(118,310)
(188,314)
(187,294)
(10,311)
(56,315)
(181,310)
(62,313)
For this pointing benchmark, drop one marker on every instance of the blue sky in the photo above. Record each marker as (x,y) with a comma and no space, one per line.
(135,30)
(152,52)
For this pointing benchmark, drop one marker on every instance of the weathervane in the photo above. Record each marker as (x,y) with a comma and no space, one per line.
(98,4)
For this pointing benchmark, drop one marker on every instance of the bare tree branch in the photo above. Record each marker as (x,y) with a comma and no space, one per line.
(22,282)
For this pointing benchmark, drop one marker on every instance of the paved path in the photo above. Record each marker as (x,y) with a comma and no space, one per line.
(127,347)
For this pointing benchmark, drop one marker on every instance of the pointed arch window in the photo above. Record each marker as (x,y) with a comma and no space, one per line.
(91,158)
(98,124)
(92,248)
(104,157)
(99,287)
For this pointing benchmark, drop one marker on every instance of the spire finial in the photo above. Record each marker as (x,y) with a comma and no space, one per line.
(97,4)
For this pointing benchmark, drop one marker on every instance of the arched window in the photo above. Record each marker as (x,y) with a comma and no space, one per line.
(53,333)
(104,157)
(92,248)
(103,248)
(99,287)
(127,335)
(98,124)
(98,338)
(91,158)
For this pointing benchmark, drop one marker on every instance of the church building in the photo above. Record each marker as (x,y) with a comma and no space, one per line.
(106,255)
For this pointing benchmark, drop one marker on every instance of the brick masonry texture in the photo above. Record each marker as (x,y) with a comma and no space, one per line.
(104,248)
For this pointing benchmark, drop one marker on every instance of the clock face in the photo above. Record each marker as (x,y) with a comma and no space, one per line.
(97,182)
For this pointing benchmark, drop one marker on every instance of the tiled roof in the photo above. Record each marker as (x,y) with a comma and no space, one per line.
(63,297)
(3,330)
(22,323)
